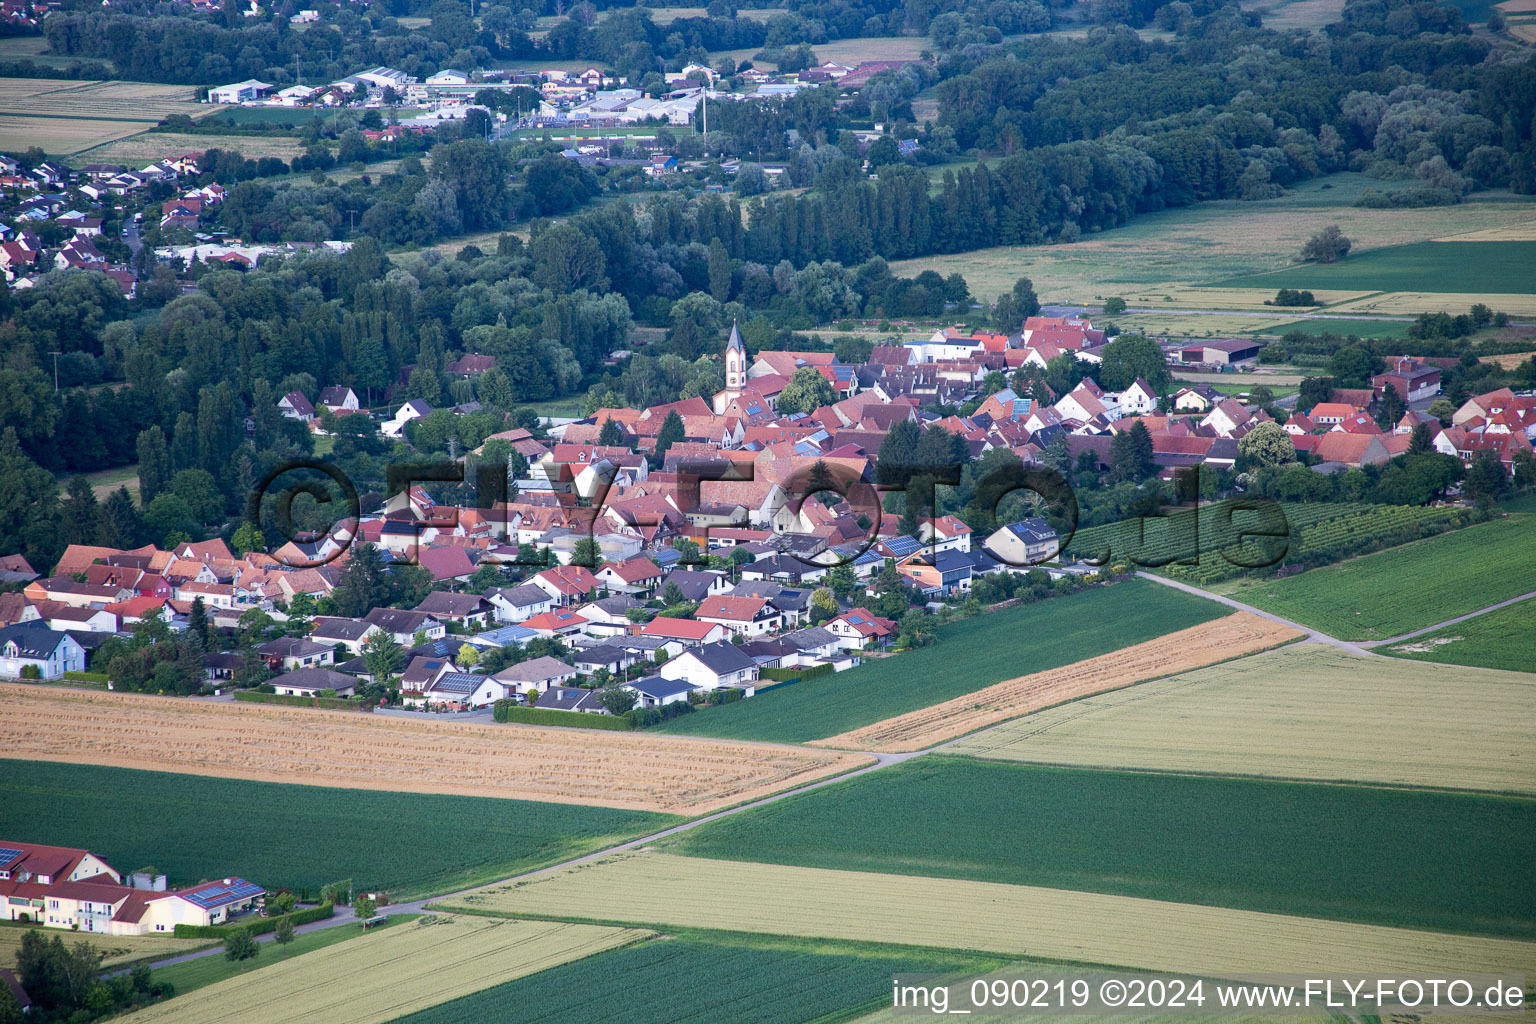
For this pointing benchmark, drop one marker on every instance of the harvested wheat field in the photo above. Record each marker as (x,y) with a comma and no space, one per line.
(661,889)
(386,975)
(1309,712)
(1239,634)
(320,748)
(119,950)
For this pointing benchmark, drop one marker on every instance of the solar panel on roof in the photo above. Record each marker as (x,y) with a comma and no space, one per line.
(7,854)
(239,889)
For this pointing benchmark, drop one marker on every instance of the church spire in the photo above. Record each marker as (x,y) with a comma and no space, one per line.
(734,342)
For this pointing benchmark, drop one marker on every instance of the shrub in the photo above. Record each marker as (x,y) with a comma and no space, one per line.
(511,711)
(258,927)
(31,672)
(645,717)
(333,703)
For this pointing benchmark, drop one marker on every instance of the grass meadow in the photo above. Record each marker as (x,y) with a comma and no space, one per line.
(297,837)
(1484,267)
(1402,589)
(677,980)
(1499,639)
(971,654)
(1164,258)
(1303,712)
(1410,859)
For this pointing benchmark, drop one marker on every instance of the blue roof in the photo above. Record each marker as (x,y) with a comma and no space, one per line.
(903,545)
(659,688)
(458,682)
(218,895)
(503,636)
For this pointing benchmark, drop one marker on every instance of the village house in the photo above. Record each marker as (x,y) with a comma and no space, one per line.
(1027,542)
(712,666)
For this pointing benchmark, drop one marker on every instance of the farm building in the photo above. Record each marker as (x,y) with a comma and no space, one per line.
(1229,351)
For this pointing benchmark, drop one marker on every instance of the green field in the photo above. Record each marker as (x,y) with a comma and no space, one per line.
(300,837)
(1416,859)
(191,975)
(670,981)
(1396,591)
(1500,639)
(972,654)
(1477,267)
(1345,328)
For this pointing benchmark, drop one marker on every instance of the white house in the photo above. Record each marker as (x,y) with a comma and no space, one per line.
(1138,400)
(339,399)
(519,604)
(712,666)
(296,407)
(50,651)
(656,691)
(412,410)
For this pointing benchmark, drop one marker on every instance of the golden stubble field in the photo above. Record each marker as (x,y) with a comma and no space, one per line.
(1229,637)
(654,888)
(156,145)
(1306,712)
(389,974)
(68,116)
(120,950)
(672,774)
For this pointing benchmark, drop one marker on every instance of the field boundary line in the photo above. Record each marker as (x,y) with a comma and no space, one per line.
(1448,622)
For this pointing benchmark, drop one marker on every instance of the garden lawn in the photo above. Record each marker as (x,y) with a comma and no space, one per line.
(669,981)
(298,837)
(1483,267)
(1402,589)
(1407,858)
(970,655)
(1499,639)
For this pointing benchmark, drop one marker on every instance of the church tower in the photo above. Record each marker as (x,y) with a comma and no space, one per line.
(735,361)
(735,371)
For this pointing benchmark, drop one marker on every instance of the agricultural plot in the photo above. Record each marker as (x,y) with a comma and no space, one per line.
(433,843)
(67,116)
(280,744)
(1406,858)
(1092,928)
(1411,303)
(1397,591)
(1218,528)
(1161,258)
(154,145)
(670,981)
(121,950)
(971,655)
(200,972)
(1307,712)
(1208,642)
(382,975)
(1499,639)
(1431,266)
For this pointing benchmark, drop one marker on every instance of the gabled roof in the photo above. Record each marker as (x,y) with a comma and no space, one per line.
(681,629)
(721,657)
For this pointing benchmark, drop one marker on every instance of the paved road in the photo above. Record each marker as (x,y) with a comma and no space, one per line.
(1448,622)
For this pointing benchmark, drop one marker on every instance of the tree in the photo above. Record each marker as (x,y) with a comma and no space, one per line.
(1327,246)
(824,601)
(719,271)
(1391,408)
(81,512)
(382,655)
(10,1009)
(1016,306)
(1312,391)
(154,463)
(247,537)
(1353,366)
(283,933)
(197,621)
(1130,356)
(363,586)
(806,391)
(671,432)
(1442,409)
(1422,440)
(616,700)
(1486,481)
(364,907)
(587,552)
(240,945)
(672,594)
(1114,306)
(565,258)
(1267,445)
(120,525)
(610,436)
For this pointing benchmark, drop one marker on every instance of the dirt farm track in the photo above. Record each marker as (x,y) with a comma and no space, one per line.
(358,751)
